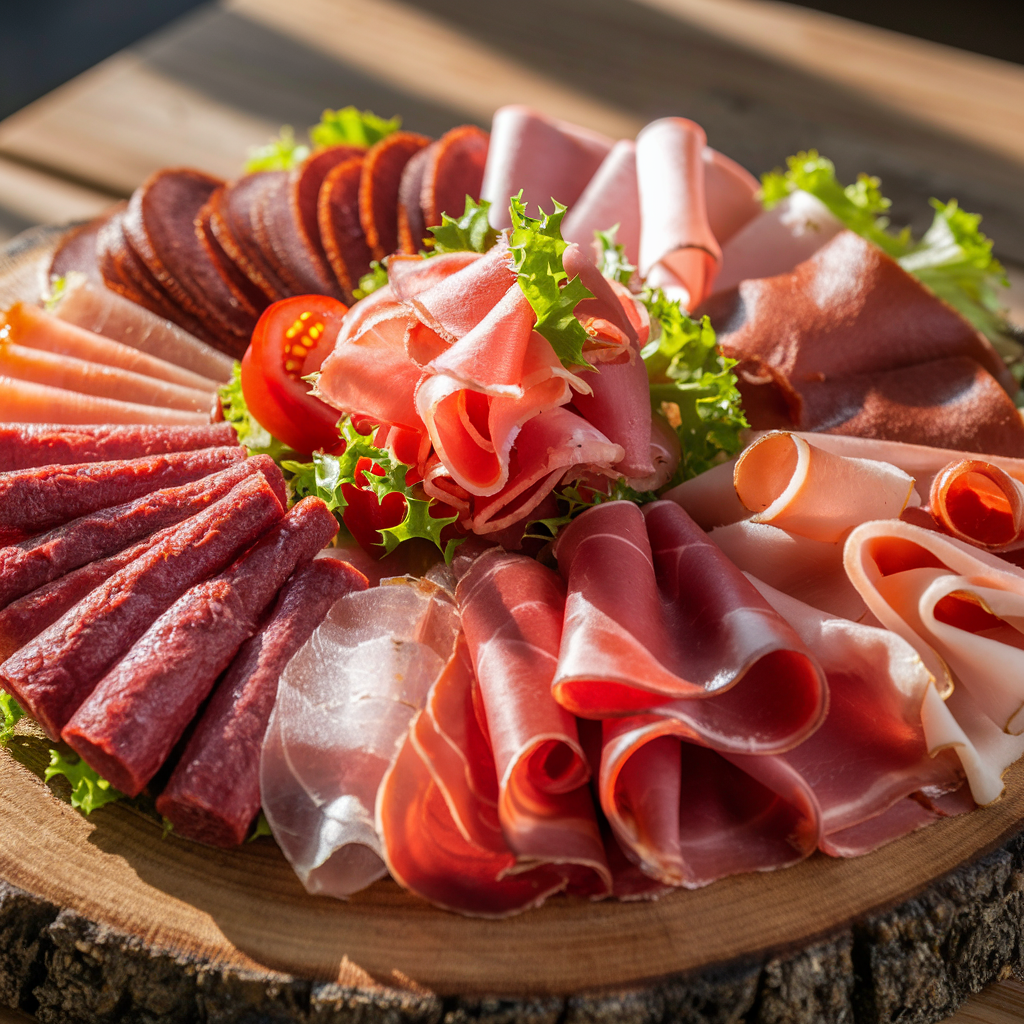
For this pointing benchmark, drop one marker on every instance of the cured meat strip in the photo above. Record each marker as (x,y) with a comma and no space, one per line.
(23,445)
(76,251)
(36,499)
(378,189)
(731,192)
(37,561)
(227,741)
(22,401)
(658,618)
(66,372)
(790,483)
(130,722)
(24,619)
(453,172)
(95,308)
(304,186)
(338,221)
(344,703)
(35,328)
(511,609)
(412,228)
(54,673)
(979,503)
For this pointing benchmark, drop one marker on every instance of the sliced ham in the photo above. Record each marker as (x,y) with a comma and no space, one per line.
(731,193)
(710,499)
(678,250)
(344,704)
(658,618)
(979,503)
(543,157)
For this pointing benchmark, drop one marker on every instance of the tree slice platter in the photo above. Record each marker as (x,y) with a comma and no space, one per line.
(105,919)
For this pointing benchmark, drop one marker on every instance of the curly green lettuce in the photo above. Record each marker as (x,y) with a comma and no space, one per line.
(577,498)
(326,474)
(280,154)
(88,789)
(351,126)
(614,264)
(256,438)
(471,232)
(376,277)
(11,712)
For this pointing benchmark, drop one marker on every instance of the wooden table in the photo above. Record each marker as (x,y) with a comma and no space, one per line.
(765,79)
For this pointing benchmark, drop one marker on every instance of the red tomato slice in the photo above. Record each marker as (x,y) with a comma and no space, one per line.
(292,339)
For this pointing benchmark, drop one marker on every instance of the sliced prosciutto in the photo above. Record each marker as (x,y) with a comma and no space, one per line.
(657,618)
(344,704)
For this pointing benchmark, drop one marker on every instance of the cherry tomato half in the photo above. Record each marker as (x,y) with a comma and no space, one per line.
(292,339)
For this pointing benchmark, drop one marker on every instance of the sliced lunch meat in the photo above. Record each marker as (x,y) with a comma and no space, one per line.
(37,499)
(76,251)
(35,562)
(27,445)
(978,502)
(32,327)
(340,229)
(453,173)
(731,193)
(23,401)
(378,189)
(304,184)
(55,672)
(250,299)
(131,721)
(412,227)
(38,366)
(96,308)
(657,618)
(227,741)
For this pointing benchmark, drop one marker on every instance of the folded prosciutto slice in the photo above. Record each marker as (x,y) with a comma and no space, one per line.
(870,756)
(344,704)
(962,610)
(658,618)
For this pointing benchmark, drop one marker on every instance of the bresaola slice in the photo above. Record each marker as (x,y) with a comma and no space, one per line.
(412,227)
(379,183)
(338,221)
(453,172)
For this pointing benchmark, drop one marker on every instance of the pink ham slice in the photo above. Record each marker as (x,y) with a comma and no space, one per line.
(344,704)
(978,503)
(657,618)
(678,250)
(731,194)
(545,158)
(689,816)
(870,754)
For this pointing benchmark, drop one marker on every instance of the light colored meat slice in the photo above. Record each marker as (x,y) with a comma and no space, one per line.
(731,193)
(979,503)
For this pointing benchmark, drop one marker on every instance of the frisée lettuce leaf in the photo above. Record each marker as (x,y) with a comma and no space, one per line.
(11,712)
(280,154)
(614,263)
(351,126)
(472,232)
(88,789)
(256,438)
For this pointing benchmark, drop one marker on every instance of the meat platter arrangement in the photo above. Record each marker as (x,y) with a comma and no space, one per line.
(581,516)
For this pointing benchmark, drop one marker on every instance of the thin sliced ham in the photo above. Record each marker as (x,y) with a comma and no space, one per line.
(344,705)
(731,194)
(657,618)
(710,499)
(979,503)
(678,250)
(543,157)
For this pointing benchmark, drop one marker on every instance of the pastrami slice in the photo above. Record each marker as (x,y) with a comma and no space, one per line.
(338,220)
(454,170)
(412,227)
(378,189)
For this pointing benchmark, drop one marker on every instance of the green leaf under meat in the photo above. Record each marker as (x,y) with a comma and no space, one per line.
(472,232)
(88,789)
(351,126)
(280,154)
(12,713)
(614,264)
(256,438)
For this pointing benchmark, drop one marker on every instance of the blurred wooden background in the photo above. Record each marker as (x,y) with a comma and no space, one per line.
(765,79)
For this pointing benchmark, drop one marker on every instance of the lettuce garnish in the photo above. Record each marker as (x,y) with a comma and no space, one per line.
(279,154)
(577,498)
(614,264)
(471,232)
(537,247)
(88,790)
(954,258)
(692,385)
(326,475)
(351,126)
(256,438)
(11,712)
(375,278)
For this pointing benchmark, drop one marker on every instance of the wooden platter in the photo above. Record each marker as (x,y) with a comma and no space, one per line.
(105,919)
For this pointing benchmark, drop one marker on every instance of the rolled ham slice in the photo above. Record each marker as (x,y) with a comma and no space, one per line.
(657,618)
(344,704)
(227,741)
(790,483)
(978,503)
(731,194)
(678,250)
(541,156)
(710,499)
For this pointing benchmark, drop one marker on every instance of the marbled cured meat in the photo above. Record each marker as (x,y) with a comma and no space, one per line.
(380,178)
(250,299)
(226,744)
(136,713)
(453,172)
(657,618)
(25,446)
(35,562)
(37,499)
(56,671)
(76,251)
(338,220)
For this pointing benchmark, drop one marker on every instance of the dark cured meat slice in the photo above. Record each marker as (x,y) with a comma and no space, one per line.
(947,403)
(277,231)
(340,230)
(26,618)
(378,189)
(238,205)
(129,724)
(412,228)
(27,445)
(226,745)
(37,499)
(77,249)
(54,673)
(35,562)
(455,170)
(249,298)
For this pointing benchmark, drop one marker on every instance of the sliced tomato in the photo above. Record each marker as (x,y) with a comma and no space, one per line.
(291,340)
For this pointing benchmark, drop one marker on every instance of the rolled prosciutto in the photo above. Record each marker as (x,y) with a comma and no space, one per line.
(55,672)
(228,739)
(130,722)
(37,499)
(658,618)
(978,502)
(28,445)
